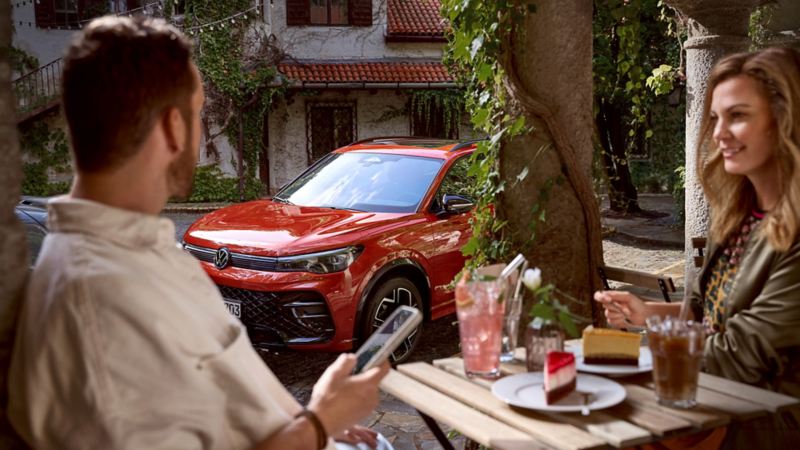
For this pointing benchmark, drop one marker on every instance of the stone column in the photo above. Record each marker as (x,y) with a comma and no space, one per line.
(716,28)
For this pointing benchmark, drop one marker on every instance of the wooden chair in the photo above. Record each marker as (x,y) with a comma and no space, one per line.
(648,281)
(699,246)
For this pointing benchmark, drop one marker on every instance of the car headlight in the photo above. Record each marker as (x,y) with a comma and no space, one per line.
(322,262)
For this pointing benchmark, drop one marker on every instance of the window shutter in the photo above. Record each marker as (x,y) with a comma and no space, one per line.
(297,12)
(360,13)
(45,13)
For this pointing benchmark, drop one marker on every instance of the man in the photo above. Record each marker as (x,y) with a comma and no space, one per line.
(123,341)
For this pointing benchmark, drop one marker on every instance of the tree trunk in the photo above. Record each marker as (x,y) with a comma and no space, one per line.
(558,152)
(622,193)
(13,251)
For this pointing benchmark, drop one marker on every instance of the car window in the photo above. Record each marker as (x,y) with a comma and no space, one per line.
(456,182)
(373,182)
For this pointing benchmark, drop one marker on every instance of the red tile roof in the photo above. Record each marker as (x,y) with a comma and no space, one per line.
(418,18)
(367,72)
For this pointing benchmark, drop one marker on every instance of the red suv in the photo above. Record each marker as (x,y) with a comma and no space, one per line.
(370,226)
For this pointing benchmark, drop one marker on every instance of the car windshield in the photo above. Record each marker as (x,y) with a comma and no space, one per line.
(372,182)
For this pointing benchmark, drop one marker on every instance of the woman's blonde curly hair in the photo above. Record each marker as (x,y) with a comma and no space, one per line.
(732,197)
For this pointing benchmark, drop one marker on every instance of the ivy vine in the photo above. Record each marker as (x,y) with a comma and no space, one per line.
(45,151)
(425,103)
(239,67)
(477,37)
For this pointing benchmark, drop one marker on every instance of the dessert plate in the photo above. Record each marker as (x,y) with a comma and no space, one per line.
(645,364)
(525,390)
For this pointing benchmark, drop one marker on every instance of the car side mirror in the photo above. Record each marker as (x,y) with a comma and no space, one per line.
(456,204)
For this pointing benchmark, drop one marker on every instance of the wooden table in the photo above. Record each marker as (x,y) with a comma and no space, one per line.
(442,393)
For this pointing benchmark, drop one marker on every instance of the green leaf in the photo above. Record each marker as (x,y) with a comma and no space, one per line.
(566,322)
(544,311)
(470,247)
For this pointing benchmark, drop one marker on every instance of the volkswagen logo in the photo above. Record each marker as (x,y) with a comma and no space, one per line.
(222,258)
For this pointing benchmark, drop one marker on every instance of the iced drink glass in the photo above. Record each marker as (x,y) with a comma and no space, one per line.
(677,348)
(480,324)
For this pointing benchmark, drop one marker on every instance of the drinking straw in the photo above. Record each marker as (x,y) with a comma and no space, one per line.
(687,295)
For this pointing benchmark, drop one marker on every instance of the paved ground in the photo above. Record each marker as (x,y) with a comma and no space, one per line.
(651,241)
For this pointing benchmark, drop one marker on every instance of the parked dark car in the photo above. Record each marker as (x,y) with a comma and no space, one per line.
(32,212)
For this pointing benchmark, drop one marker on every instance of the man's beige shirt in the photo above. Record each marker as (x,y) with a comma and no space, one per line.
(124,343)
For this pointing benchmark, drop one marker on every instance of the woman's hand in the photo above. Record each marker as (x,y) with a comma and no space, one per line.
(340,399)
(622,309)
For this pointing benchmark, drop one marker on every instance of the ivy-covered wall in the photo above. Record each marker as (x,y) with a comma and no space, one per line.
(45,153)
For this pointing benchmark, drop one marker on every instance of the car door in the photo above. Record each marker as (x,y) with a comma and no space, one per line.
(452,231)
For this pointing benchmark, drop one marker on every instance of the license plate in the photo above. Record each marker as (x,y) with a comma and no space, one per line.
(235,308)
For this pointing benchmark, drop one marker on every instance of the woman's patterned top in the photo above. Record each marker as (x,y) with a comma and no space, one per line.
(723,272)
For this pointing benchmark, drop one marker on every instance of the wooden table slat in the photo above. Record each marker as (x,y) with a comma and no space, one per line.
(552,433)
(772,401)
(617,432)
(739,408)
(658,422)
(473,424)
(700,416)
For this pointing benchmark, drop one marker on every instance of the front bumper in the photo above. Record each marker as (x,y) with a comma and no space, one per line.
(283,318)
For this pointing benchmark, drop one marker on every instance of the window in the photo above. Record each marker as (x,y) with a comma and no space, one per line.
(66,12)
(75,13)
(328,127)
(329,12)
(431,122)
(372,182)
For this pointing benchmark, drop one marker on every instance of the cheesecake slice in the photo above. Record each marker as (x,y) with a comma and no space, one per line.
(559,376)
(607,346)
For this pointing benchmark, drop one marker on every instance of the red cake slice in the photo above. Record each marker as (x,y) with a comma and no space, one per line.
(559,375)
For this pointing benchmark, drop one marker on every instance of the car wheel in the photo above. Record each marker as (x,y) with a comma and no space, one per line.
(384,299)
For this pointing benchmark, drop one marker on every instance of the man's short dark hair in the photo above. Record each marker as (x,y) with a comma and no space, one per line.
(120,75)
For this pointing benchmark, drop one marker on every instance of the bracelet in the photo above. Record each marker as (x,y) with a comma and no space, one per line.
(322,436)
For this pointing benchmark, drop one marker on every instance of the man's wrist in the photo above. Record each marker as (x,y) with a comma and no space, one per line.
(319,428)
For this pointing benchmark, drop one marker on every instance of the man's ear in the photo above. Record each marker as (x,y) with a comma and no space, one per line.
(174,129)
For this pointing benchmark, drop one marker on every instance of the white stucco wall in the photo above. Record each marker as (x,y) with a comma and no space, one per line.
(45,44)
(326,42)
(288,154)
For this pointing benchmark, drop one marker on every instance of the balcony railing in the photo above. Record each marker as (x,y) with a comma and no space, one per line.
(38,90)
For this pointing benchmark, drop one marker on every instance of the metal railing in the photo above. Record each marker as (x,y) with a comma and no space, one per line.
(38,89)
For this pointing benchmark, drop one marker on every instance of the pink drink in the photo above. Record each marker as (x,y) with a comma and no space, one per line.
(480,319)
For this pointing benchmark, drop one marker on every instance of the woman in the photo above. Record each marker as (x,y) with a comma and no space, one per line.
(748,291)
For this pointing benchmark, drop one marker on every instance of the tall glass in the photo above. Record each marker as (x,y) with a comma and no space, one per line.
(677,348)
(480,323)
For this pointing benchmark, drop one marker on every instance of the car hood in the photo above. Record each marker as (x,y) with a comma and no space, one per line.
(268,228)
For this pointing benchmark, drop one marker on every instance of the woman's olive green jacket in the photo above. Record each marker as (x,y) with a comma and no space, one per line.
(760,344)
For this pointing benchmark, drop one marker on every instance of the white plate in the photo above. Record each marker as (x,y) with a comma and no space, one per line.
(645,364)
(525,390)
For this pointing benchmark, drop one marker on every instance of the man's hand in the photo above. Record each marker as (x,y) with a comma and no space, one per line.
(340,399)
(622,309)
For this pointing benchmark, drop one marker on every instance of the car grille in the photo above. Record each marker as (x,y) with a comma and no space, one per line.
(283,317)
(265,263)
